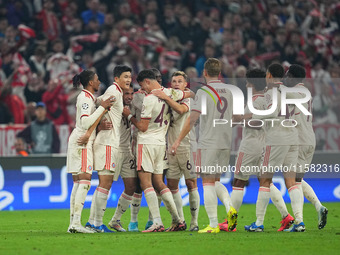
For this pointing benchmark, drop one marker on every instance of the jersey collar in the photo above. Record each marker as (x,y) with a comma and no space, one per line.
(89,94)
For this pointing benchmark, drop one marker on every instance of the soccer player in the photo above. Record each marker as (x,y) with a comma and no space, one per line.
(151,146)
(80,158)
(281,151)
(214,142)
(294,78)
(125,167)
(106,144)
(248,159)
(183,162)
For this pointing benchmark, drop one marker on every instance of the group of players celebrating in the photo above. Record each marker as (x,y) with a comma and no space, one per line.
(144,135)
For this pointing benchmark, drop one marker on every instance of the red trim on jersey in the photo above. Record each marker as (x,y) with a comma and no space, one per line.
(215,81)
(186,105)
(145,118)
(108,157)
(239,162)
(266,156)
(139,159)
(196,110)
(119,89)
(256,96)
(269,106)
(83,160)
(88,94)
(84,115)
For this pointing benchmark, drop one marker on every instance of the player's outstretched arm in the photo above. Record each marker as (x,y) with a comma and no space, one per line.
(188,125)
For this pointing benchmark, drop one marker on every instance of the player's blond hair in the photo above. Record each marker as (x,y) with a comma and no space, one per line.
(213,67)
(180,73)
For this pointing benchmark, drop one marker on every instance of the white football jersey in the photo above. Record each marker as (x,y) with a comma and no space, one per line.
(220,136)
(85,107)
(276,133)
(304,122)
(157,111)
(253,140)
(125,135)
(112,137)
(176,126)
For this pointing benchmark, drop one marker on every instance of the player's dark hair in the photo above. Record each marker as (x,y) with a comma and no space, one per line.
(297,71)
(257,77)
(156,71)
(294,75)
(276,70)
(118,70)
(146,74)
(83,78)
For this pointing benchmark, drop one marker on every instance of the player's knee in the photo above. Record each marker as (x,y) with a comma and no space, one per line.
(191,184)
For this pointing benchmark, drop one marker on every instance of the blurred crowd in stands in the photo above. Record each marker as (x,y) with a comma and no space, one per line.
(44,43)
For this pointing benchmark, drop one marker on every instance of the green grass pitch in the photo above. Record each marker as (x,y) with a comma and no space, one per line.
(44,232)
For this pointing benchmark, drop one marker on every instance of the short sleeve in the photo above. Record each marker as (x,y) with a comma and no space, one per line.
(186,102)
(177,94)
(85,105)
(147,106)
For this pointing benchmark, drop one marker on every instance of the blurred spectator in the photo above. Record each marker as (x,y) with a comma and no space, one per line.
(56,102)
(41,134)
(37,62)
(20,147)
(6,116)
(93,12)
(34,89)
(209,52)
(49,21)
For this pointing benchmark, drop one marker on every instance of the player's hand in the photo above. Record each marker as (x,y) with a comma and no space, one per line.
(126,111)
(83,139)
(160,94)
(108,102)
(105,125)
(174,147)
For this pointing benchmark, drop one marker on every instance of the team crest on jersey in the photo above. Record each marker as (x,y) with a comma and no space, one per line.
(90,167)
(113,165)
(85,106)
